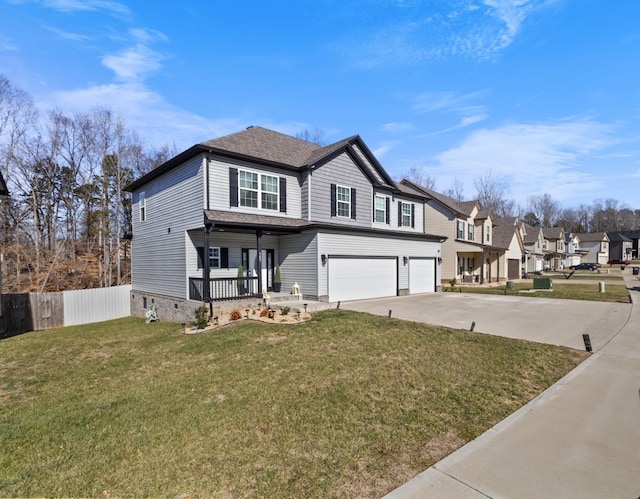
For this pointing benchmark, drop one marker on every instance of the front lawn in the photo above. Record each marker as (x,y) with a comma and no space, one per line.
(615,293)
(346,405)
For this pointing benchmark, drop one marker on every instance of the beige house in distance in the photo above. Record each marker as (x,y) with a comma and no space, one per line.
(469,254)
(508,234)
(596,247)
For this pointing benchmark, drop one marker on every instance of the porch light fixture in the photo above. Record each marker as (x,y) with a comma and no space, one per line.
(324,259)
(440,260)
(405,259)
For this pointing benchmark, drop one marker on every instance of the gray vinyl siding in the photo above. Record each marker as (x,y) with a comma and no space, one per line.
(340,171)
(371,168)
(299,262)
(374,246)
(219,187)
(174,204)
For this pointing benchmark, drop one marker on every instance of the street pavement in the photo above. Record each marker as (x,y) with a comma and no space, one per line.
(579,438)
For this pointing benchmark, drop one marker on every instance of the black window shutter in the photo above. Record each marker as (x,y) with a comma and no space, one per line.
(233,187)
(333,200)
(283,194)
(200,251)
(413,215)
(399,213)
(374,206)
(388,210)
(353,203)
(224,258)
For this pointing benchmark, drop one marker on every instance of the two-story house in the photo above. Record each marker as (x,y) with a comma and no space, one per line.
(573,252)
(508,234)
(534,249)
(469,253)
(215,221)
(554,248)
(596,247)
(620,246)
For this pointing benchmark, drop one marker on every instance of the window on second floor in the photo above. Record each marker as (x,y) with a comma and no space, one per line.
(488,234)
(460,233)
(406,214)
(381,209)
(343,201)
(252,189)
(470,232)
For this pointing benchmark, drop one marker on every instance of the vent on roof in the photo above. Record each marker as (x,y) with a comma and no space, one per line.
(250,126)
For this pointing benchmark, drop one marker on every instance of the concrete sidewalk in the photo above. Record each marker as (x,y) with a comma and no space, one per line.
(579,438)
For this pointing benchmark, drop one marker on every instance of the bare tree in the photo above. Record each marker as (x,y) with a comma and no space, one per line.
(417,175)
(545,209)
(492,194)
(315,136)
(456,191)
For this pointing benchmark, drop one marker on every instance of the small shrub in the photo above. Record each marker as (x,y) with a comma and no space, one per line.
(285,310)
(453,282)
(202,317)
(264,312)
(235,315)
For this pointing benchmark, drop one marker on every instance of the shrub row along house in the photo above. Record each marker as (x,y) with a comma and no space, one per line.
(215,221)
(228,218)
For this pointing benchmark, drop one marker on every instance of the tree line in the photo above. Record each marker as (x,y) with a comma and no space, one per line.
(492,192)
(66,221)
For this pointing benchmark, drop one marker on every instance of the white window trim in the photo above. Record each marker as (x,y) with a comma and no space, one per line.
(459,230)
(406,215)
(383,209)
(344,203)
(259,191)
(470,229)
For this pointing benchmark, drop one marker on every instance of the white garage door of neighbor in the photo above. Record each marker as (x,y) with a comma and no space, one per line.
(361,278)
(422,275)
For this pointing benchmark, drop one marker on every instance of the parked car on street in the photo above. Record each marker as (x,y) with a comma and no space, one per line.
(585,266)
(619,262)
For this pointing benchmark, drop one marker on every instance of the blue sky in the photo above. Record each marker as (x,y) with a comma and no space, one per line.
(541,93)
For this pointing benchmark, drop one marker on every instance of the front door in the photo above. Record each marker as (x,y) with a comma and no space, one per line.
(251,264)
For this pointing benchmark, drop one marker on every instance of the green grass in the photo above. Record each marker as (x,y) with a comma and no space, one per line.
(346,405)
(614,293)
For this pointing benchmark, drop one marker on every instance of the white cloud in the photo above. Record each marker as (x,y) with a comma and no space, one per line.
(425,31)
(396,127)
(158,121)
(68,6)
(133,63)
(556,158)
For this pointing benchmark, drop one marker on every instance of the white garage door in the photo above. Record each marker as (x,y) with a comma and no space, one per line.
(361,278)
(422,275)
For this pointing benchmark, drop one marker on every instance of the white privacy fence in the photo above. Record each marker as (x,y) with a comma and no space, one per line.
(95,305)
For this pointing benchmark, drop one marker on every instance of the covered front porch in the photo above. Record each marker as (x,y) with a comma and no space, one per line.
(481,266)
(243,256)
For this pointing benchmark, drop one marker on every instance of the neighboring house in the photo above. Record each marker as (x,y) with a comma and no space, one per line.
(469,253)
(634,235)
(574,254)
(596,247)
(554,248)
(330,217)
(620,246)
(508,234)
(534,248)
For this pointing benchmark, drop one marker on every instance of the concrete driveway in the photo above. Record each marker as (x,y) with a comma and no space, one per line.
(579,438)
(545,320)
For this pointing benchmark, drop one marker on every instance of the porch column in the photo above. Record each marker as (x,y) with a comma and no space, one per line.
(206,294)
(259,258)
